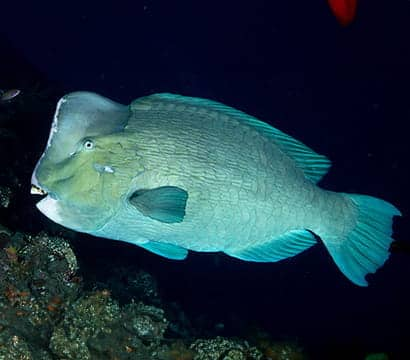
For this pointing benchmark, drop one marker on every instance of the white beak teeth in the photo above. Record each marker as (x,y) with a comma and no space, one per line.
(37,191)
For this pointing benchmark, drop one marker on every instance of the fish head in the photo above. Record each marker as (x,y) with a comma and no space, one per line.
(77,171)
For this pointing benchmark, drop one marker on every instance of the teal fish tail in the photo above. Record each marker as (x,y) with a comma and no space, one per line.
(365,248)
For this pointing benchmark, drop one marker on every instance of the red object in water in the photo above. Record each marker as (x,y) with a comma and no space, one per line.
(344,10)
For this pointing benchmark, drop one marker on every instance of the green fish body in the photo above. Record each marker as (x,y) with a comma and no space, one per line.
(171,173)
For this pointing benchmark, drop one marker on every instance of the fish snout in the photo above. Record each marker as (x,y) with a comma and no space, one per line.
(36,189)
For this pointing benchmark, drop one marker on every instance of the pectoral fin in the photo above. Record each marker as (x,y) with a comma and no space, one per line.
(166,204)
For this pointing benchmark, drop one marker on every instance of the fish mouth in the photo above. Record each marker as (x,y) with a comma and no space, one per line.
(37,190)
(48,203)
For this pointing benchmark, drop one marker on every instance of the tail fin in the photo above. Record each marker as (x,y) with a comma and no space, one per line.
(366,247)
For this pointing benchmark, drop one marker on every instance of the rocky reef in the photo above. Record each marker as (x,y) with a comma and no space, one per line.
(47,313)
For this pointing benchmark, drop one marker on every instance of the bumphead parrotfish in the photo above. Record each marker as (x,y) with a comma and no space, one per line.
(172,173)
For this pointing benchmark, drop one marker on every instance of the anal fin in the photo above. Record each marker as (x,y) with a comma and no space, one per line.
(168,251)
(287,245)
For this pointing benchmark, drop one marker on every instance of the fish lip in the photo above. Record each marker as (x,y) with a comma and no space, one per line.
(50,207)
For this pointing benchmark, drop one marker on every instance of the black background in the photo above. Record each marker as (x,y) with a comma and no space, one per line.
(342,91)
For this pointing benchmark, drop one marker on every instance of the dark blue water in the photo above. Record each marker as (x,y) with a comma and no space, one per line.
(342,91)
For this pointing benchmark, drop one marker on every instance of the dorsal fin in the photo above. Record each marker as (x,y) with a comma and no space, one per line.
(313,165)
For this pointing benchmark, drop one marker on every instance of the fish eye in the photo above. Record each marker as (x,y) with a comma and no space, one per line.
(88,144)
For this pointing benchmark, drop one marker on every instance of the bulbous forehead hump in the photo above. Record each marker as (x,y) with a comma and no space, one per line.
(79,115)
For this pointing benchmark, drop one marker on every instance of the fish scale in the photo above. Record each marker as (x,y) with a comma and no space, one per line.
(243,177)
